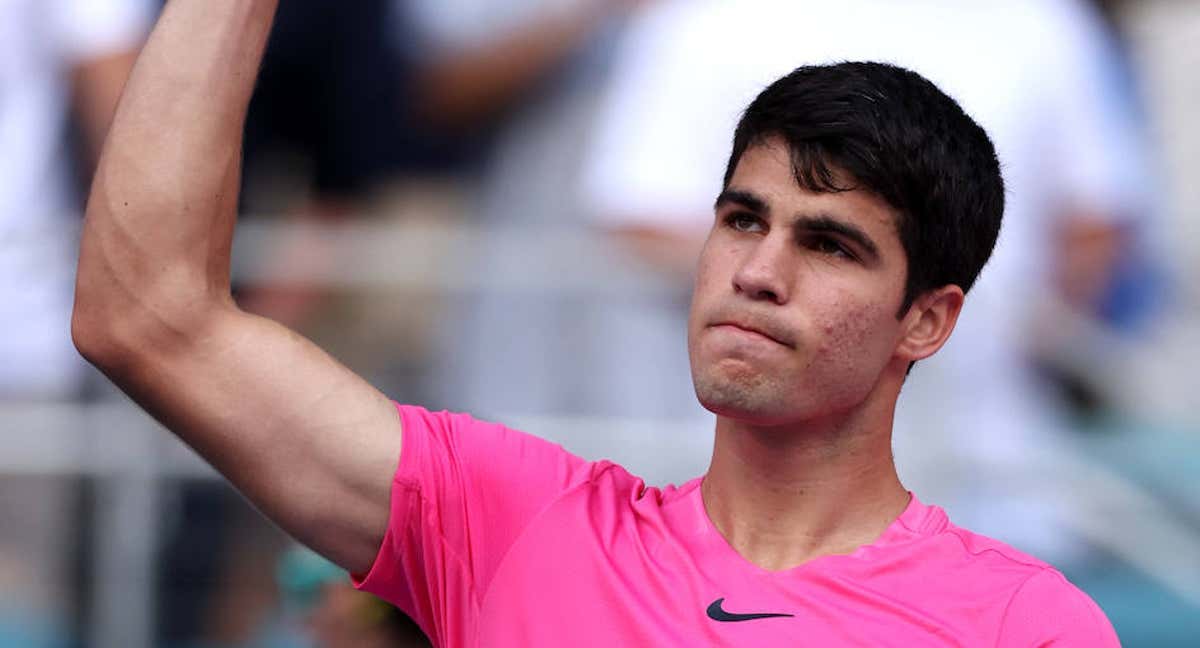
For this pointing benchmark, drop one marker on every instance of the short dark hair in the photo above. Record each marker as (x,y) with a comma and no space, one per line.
(895,134)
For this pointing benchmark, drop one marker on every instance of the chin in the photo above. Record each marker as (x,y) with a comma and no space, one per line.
(748,399)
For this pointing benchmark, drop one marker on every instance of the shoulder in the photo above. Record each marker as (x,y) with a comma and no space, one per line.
(458,431)
(451,452)
(939,541)
(986,551)
(1049,610)
(1044,608)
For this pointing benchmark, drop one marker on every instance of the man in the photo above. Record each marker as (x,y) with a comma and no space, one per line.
(859,205)
(1076,205)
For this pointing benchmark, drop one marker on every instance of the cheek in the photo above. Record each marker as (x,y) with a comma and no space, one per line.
(714,263)
(712,279)
(855,342)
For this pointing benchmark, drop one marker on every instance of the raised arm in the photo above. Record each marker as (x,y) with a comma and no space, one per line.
(310,443)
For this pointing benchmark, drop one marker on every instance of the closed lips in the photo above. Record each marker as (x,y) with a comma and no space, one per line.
(766,331)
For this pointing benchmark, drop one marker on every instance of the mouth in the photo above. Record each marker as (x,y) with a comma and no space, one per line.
(759,330)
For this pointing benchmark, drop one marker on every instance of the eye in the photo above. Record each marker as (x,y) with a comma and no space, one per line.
(744,222)
(830,246)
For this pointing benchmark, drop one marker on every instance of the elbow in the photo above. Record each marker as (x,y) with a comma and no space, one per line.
(115,334)
(96,306)
(95,338)
(123,314)
(103,332)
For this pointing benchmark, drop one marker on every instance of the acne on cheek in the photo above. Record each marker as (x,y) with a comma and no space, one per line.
(844,360)
(848,337)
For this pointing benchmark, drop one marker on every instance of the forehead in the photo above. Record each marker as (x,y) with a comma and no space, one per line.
(765,171)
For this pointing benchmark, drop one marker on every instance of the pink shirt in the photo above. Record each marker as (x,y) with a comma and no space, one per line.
(499,539)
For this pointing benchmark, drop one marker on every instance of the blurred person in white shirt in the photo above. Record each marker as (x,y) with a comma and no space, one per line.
(61,62)
(58,58)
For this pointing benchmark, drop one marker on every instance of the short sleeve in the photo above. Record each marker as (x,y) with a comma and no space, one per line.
(463,493)
(1049,611)
(93,28)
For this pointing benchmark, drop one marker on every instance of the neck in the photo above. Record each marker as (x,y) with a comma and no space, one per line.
(783,495)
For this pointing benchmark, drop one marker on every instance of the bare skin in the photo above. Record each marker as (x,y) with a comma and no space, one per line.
(802,465)
(310,443)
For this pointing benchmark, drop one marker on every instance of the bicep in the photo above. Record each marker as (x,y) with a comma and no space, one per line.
(310,443)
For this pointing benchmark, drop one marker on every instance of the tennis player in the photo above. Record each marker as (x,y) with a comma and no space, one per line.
(859,206)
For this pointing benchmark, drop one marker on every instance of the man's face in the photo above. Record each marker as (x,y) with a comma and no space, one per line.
(794,312)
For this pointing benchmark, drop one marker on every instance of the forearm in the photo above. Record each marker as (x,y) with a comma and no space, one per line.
(160,217)
(464,86)
(309,442)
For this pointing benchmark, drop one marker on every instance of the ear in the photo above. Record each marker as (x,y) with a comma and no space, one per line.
(928,323)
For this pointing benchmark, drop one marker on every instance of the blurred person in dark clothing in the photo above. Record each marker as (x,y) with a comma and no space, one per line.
(329,93)
(324,131)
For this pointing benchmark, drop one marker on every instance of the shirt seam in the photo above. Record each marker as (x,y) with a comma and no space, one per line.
(413,484)
(1012,599)
(525,529)
(1037,565)
(450,550)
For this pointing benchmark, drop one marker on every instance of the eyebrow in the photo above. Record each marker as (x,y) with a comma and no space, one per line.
(743,198)
(817,222)
(829,224)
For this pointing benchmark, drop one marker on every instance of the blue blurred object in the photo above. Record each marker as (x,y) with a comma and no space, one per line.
(1164,460)
(19,629)
(1144,614)
(301,574)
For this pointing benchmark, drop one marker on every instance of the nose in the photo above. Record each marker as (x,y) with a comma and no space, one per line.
(761,275)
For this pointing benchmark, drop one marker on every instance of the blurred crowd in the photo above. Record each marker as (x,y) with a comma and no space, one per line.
(493,206)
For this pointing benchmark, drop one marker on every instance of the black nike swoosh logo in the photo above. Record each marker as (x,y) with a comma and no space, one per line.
(717,614)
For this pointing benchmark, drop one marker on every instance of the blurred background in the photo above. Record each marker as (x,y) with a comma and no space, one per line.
(493,206)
